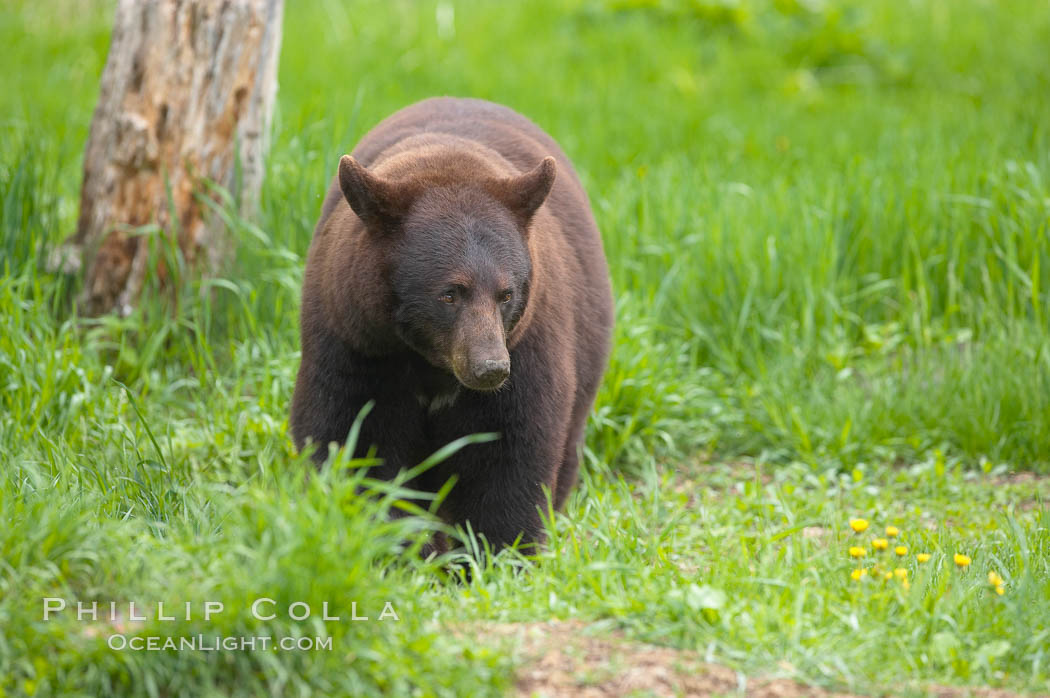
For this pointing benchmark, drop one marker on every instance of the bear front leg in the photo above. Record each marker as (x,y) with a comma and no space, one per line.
(501,484)
(502,513)
(331,390)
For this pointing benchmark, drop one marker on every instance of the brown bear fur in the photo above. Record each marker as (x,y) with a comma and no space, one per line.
(457,237)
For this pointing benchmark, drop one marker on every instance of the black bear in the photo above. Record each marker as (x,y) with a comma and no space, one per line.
(457,279)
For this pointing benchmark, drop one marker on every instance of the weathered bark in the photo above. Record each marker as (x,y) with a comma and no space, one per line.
(188,87)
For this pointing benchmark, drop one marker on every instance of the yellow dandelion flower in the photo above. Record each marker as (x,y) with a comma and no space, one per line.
(905,584)
(859,525)
(858,574)
(892,531)
(888,576)
(999,590)
(923,557)
(901,550)
(880,543)
(857,551)
(994,579)
(962,561)
(900,573)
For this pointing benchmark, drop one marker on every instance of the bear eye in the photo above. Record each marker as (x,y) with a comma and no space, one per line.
(506,296)
(447,297)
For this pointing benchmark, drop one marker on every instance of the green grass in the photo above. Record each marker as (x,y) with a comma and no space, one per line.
(827,228)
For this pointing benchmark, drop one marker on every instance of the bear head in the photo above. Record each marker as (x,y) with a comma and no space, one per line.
(455,242)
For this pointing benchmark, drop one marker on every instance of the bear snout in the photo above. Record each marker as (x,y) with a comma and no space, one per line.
(479,357)
(490,373)
(482,368)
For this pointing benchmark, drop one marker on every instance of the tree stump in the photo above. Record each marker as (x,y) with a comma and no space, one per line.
(186,97)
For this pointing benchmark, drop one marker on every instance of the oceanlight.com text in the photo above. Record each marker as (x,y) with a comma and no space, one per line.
(217,643)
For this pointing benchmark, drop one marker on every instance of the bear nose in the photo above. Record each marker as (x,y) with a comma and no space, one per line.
(492,371)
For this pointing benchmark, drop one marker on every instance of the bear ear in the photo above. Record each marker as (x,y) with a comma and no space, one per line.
(377,202)
(524,194)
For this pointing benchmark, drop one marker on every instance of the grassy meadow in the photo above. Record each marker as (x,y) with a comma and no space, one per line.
(828,230)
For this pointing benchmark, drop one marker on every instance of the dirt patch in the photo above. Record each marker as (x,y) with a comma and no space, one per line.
(1032,489)
(722,474)
(964,692)
(814,532)
(1023,490)
(568,658)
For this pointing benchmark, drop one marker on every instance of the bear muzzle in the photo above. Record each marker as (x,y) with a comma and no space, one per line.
(479,357)
(490,374)
(483,368)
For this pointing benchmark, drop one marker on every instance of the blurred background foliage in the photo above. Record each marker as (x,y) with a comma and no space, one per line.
(824,219)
